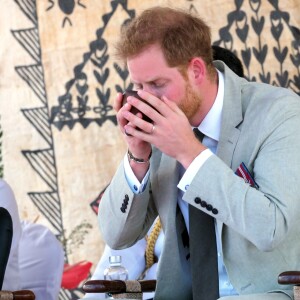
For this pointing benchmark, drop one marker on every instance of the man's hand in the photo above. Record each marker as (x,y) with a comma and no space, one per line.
(138,147)
(171,133)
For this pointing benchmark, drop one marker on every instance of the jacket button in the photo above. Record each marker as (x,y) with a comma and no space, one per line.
(125,201)
(209,207)
(124,205)
(215,211)
(123,209)
(203,203)
(197,200)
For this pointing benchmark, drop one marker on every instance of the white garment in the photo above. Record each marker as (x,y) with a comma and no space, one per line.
(41,260)
(133,259)
(36,257)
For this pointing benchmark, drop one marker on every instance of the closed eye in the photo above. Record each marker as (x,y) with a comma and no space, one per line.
(157,84)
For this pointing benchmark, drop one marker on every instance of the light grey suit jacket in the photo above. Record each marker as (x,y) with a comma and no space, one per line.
(259,229)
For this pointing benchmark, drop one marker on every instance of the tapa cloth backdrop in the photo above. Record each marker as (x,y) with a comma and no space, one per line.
(60,144)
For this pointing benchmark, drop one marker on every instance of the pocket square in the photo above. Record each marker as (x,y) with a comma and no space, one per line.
(243,172)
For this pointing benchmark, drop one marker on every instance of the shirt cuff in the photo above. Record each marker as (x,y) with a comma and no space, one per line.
(192,170)
(134,184)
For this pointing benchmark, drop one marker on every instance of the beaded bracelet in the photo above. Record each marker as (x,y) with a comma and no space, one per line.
(139,160)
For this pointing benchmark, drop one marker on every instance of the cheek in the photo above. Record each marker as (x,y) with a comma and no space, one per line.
(175,94)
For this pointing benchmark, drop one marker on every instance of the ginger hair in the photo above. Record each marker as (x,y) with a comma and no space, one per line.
(181,36)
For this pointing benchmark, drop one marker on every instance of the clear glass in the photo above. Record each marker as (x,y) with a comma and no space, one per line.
(115,271)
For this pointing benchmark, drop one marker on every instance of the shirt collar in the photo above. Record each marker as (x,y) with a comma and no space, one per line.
(211,124)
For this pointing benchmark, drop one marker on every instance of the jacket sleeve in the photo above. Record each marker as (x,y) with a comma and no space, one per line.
(263,216)
(125,217)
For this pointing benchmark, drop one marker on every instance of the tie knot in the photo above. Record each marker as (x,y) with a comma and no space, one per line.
(198,134)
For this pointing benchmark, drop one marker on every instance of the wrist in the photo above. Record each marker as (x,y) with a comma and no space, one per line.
(189,157)
(137,160)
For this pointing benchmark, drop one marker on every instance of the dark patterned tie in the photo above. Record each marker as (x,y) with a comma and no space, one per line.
(203,250)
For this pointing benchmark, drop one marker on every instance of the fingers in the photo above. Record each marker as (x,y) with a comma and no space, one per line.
(118,102)
(136,123)
(172,105)
(154,111)
(161,113)
(122,121)
(154,108)
(160,104)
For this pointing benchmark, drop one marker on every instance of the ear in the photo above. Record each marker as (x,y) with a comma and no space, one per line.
(197,70)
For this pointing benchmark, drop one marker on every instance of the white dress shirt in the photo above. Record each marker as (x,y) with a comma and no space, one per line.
(210,127)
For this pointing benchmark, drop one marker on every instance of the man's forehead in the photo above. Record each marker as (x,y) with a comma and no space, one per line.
(152,54)
(150,70)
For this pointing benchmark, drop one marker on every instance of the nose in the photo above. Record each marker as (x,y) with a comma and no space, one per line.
(151,91)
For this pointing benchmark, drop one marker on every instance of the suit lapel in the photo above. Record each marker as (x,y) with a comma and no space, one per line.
(231,115)
(227,144)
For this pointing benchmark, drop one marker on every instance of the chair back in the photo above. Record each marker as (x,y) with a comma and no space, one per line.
(17,295)
(291,278)
(119,289)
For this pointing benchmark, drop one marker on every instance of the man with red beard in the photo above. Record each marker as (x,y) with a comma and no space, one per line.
(227,195)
